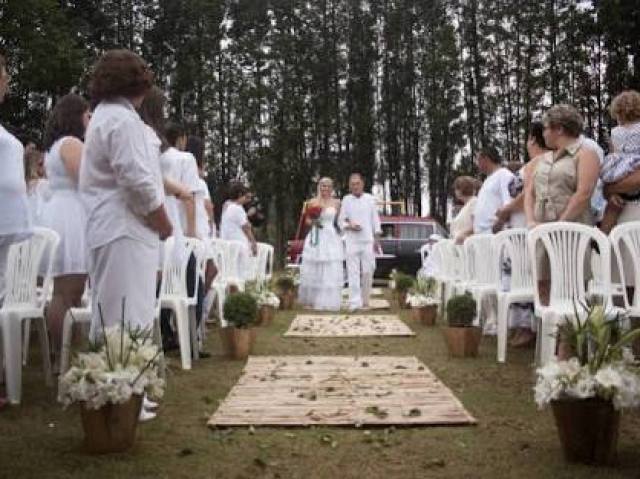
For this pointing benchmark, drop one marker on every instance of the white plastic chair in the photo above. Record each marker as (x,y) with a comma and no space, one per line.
(22,302)
(451,269)
(174,295)
(76,315)
(482,276)
(512,244)
(567,245)
(626,237)
(219,285)
(264,269)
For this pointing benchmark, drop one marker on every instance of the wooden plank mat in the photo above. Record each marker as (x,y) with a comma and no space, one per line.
(374,292)
(339,390)
(347,326)
(375,304)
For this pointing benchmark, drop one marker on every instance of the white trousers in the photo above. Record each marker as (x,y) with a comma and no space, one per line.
(123,269)
(361,263)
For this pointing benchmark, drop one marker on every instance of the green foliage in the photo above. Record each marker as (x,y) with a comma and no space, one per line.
(461,311)
(426,286)
(240,310)
(285,283)
(597,339)
(404,282)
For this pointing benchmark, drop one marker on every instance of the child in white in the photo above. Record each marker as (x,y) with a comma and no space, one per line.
(360,220)
(625,158)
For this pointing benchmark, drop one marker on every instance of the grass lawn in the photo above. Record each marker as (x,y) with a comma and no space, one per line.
(512,439)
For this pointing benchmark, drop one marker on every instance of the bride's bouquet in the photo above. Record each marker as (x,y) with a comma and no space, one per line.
(313,213)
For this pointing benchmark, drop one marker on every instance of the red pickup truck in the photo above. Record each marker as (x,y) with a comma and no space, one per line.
(402,238)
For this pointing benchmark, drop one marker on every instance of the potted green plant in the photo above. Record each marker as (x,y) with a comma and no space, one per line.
(463,339)
(240,311)
(109,383)
(266,300)
(403,283)
(286,291)
(423,301)
(587,391)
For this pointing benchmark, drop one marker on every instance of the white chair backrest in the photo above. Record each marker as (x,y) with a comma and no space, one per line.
(23,268)
(232,251)
(264,268)
(452,264)
(512,244)
(626,238)
(217,249)
(178,250)
(425,251)
(567,245)
(478,259)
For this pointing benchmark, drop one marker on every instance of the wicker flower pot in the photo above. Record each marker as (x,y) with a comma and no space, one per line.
(287,299)
(426,315)
(112,428)
(463,342)
(588,430)
(265,315)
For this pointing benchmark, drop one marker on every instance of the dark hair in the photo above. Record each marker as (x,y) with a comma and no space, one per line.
(236,190)
(152,112)
(66,119)
(358,174)
(536,128)
(491,153)
(195,146)
(119,73)
(173,131)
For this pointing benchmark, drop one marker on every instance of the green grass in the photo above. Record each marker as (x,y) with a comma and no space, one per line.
(512,439)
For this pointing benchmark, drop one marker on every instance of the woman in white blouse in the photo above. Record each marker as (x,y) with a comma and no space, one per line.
(464,188)
(15,218)
(121,186)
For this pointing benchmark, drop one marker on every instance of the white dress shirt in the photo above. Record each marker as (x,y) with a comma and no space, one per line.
(119,175)
(15,217)
(493,194)
(233,219)
(361,210)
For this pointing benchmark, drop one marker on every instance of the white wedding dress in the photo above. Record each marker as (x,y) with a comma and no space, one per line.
(321,270)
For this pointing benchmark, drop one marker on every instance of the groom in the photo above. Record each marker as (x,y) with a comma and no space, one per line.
(361,223)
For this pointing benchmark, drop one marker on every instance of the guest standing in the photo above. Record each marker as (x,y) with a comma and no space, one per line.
(64,212)
(120,184)
(494,192)
(15,218)
(235,226)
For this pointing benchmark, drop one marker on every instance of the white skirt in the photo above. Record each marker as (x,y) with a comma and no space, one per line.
(321,284)
(123,269)
(65,214)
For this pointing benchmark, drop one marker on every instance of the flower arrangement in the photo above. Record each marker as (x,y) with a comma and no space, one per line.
(263,295)
(602,366)
(423,293)
(124,363)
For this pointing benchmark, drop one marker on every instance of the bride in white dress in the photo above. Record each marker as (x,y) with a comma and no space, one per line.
(321,270)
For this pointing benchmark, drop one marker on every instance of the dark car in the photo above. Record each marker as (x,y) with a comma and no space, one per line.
(402,238)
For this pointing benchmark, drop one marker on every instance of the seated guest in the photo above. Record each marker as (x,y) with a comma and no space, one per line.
(462,225)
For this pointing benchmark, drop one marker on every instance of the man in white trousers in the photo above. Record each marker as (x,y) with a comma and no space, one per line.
(360,221)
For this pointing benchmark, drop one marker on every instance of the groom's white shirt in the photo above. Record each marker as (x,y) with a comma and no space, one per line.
(360,210)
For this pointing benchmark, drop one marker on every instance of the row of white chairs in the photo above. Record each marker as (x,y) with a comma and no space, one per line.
(28,289)
(476,267)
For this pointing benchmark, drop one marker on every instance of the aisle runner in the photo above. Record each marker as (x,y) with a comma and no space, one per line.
(345,326)
(374,304)
(374,292)
(338,390)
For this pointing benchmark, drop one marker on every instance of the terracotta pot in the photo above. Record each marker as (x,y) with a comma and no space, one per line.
(401,298)
(112,428)
(266,315)
(243,340)
(237,343)
(287,299)
(463,342)
(588,430)
(426,315)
